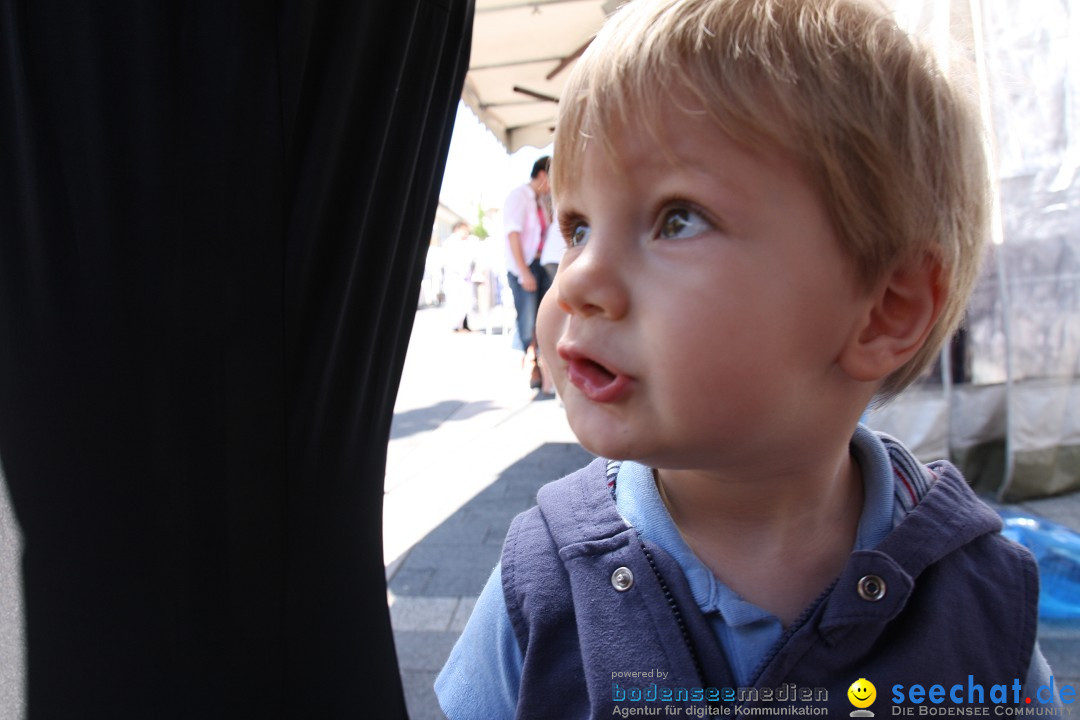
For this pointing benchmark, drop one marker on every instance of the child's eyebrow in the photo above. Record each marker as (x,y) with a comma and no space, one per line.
(567,216)
(722,180)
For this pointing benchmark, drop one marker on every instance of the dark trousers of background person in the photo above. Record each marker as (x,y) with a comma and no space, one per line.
(526,304)
(212,223)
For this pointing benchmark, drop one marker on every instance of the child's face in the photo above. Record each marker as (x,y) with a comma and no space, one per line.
(697,320)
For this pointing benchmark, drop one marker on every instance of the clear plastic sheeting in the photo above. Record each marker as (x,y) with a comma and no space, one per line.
(1005,403)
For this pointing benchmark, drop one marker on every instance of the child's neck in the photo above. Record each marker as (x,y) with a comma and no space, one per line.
(778,539)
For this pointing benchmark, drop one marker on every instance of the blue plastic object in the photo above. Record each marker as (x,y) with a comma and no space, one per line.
(1057,550)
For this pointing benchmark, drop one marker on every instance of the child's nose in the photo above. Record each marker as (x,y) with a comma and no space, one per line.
(590,284)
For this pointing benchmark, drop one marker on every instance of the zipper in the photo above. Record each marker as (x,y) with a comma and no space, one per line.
(791,630)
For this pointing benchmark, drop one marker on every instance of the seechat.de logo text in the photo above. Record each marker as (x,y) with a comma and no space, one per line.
(974,699)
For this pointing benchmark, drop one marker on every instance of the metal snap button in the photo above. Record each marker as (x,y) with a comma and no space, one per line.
(622,579)
(871,588)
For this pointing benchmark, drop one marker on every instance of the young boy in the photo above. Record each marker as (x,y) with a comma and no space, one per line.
(774,211)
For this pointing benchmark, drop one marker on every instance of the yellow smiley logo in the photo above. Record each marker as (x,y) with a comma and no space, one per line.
(862,693)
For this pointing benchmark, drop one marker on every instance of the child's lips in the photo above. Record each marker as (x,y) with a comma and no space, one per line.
(595,381)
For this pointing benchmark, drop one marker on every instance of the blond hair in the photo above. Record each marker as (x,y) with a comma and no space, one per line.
(895,148)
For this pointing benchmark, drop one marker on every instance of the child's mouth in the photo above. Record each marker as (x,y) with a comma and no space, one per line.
(595,381)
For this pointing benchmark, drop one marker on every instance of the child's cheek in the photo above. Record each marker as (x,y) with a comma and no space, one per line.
(550,322)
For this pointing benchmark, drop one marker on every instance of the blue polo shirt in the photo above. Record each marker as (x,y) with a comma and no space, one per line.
(482,675)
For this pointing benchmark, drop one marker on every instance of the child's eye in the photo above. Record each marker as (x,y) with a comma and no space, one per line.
(681,222)
(578,234)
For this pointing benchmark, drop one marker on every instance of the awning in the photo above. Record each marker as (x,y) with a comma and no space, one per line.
(521,55)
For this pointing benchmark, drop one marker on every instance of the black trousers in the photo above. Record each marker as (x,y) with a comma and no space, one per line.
(213,217)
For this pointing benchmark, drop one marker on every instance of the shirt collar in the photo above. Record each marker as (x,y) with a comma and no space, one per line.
(639,503)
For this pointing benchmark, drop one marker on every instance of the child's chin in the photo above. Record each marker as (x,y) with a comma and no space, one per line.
(601,445)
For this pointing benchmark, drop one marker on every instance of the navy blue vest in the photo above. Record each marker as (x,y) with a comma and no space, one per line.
(943,600)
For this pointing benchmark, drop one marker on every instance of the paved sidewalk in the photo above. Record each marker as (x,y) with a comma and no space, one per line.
(469,449)
(434,589)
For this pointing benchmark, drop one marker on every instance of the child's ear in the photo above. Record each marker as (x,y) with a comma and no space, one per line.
(906,305)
